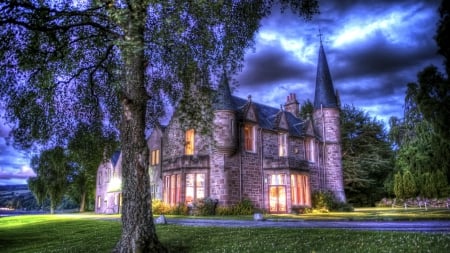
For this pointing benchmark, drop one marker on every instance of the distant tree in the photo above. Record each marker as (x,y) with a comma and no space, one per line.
(428,186)
(306,109)
(87,149)
(409,185)
(366,156)
(59,60)
(398,185)
(52,170)
(433,100)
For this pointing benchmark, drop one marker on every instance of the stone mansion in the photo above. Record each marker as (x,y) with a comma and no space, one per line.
(267,155)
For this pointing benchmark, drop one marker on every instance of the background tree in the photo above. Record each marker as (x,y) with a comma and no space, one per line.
(366,156)
(398,185)
(87,149)
(58,61)
(51,181)
(408,184)
(306,109)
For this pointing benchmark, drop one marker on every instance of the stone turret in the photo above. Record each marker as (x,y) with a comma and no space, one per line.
(225,131)
(326,119)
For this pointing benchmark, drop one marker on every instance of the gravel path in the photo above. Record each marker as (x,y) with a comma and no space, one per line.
(411,226)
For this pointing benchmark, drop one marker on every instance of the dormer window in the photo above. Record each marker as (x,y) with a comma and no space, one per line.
(282,145)
(250,138)
(189,142)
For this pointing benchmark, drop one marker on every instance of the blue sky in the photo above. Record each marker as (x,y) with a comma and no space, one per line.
(374,49)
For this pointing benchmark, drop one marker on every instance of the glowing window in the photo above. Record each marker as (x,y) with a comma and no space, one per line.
(189,142)
(249,138)
(300,193)
(154,157)
(172,188)
(195,187)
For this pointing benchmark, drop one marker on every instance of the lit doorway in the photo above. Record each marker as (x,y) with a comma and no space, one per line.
(277,193)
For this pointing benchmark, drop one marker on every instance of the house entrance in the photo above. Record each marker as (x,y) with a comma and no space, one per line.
(277,193)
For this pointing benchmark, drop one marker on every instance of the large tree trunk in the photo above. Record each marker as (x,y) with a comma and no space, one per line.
(138,229)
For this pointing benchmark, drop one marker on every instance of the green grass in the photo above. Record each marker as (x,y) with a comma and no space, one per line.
(97,233)
(385,214)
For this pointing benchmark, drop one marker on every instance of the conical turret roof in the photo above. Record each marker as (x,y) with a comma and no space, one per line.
(324,96)
(223,99)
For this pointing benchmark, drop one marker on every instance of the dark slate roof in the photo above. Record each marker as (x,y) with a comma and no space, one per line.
(222,100)
(267,116)
(115,158)
(325,95)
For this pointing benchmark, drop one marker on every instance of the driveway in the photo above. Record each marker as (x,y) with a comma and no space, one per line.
(442,226)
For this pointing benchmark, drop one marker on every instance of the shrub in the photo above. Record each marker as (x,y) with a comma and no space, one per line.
(244,207)
(180,209)
(159,207)
(300,209)
(325,201)
(204,207)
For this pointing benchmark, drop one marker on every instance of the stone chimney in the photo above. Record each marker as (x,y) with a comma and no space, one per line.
(292,104)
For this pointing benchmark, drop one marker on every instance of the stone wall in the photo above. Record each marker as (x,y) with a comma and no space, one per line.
(327,124)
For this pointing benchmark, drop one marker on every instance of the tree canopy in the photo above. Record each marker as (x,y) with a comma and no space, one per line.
(118,62)
(366,156)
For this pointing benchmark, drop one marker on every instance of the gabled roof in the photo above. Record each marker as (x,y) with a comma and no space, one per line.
(267,116)
(324,96)
(115,158)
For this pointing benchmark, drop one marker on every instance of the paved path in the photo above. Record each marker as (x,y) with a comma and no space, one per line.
(411,226)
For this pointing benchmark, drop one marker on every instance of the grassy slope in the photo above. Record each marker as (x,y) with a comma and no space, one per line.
(92,233)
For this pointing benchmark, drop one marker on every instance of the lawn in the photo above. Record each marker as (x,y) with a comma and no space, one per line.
(97,233)
(385,214)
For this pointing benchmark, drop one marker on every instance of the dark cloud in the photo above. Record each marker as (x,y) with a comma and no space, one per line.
(379,57)
(382,45)
(272,64)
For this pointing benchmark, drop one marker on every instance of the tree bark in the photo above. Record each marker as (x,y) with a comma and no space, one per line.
(138,229)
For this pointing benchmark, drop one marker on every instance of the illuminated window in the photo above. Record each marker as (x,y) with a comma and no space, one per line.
(99,201)
(154,157)
(189,146)
(195,187)
(300,193)
(277,193)
(282,144)
(249,138)
(309,150)
(172,186)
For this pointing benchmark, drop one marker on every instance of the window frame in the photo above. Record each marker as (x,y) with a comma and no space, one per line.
(154,157)
(283,146)
(172,189)
(250,138)
(300,190)
(197,186)
(189,142)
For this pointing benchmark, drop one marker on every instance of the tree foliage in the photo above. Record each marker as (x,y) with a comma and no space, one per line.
(422,138)
(118,62)
(366,156)
(52,176)
(87,149)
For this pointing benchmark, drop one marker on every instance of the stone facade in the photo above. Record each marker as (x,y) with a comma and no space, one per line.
(266,155)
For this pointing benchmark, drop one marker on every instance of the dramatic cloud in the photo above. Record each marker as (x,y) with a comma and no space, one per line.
(374,49)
